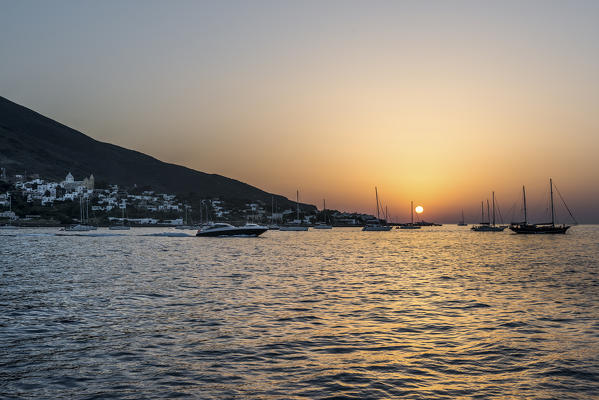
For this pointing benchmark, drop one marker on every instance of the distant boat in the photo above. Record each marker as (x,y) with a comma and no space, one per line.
(84,225)
(323,225)
(122,226)
(543,228)
(411,224)
(377,227)
(273,226)
(462,221)
(8,226)
(223,229)
(78,228)
(295,227)
(488,226)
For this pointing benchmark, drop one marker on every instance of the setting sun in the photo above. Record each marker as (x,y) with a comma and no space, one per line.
(419,209)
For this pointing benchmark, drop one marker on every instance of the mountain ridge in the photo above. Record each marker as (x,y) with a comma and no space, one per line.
(35,143)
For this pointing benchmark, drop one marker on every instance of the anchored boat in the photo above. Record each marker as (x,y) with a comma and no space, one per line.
(488,226)
(543,228)
(223,229)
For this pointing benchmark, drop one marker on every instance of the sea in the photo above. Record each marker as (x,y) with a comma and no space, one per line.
(436,313)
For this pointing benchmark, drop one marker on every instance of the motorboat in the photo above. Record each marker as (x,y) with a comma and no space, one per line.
(224,229)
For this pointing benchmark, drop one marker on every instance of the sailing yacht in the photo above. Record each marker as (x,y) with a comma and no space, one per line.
(273,226)
(122,226)
(323,225)
(462,221)
(411,224)
(543,228)
(83,226)
(488,226)
(9,225)
(297,226)
(377,226)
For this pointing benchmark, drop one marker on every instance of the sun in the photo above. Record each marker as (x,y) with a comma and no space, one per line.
(419,209)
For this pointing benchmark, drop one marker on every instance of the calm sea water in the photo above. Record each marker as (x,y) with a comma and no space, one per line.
(440,313)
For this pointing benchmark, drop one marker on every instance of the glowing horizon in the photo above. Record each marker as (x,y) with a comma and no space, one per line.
(436,103)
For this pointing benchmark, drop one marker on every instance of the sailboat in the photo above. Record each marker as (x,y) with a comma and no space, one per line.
(488,226)
(297,226)
(83,226)
(544,228)
(323,225)
(122,226)
(9,225)
(462,221)
(377,226)
(411,224)
(273,226)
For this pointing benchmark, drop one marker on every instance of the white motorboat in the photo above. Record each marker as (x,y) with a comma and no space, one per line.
(223,229)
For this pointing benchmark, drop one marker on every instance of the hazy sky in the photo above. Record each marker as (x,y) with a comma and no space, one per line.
(438,102)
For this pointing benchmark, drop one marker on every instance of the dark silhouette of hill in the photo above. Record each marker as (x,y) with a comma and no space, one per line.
(36,144)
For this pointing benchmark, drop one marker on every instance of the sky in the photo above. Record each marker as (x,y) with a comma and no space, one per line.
(439,102)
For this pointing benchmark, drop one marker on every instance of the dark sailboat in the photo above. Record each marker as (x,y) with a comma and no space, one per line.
(462,221)
(488,226)
(543,228)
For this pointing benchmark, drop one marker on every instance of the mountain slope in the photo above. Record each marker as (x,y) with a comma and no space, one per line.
(36,144)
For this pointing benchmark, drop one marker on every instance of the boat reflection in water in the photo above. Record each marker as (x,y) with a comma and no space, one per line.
(222,229)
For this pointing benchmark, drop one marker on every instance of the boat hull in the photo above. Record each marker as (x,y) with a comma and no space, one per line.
(539,230)
(294,228)
(487,228)
(322,227)
(377,228)
(410,227)
(241,231)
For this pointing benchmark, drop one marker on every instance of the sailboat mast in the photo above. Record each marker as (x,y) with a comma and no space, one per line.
(376,193)
(482,212)
(297,202)
(552,210)
(524,202)
(412,211)
(324,207)
(493,208)
(488,211)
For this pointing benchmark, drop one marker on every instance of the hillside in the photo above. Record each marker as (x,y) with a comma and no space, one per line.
(36,144)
